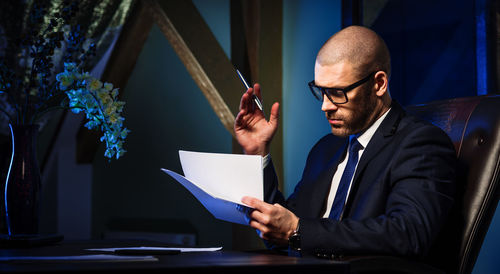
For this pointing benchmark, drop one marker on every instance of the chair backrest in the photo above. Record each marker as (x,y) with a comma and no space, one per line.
(473,124)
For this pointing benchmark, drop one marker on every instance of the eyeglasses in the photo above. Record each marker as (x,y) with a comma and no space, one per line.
(336,95)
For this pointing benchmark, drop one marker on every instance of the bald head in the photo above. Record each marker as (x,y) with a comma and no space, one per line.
(359,46)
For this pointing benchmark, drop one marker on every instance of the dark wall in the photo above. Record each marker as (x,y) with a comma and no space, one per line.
(432,45)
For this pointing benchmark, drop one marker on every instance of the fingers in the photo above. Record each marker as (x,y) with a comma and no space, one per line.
(246,106)
(271,221)
(263,211)
(244,102)
(256,89)
(247,102)
(260,227)
(248,200)
(268,234)
(273,119)
(264,219)
(257,204)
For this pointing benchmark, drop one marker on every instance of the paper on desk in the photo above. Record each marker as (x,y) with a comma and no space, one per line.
(79,258)
(182,249)
(219,181)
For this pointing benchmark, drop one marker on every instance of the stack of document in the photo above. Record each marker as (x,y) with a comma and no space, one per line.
(219,181)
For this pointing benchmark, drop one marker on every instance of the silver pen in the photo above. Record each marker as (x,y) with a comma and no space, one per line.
(255,98)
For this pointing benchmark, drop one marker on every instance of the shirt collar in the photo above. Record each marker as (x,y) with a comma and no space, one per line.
(367,135)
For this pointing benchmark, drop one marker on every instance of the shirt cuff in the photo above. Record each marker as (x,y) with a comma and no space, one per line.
(265,160)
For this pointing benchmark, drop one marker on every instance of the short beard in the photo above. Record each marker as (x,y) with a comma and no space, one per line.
(363,118)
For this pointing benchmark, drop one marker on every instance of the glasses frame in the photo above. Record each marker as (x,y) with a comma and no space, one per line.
(327,91)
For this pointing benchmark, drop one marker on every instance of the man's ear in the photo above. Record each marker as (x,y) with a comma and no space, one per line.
(381,83)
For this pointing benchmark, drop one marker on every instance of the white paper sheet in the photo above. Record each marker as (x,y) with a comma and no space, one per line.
(219,182)
(182,249)
(224,176)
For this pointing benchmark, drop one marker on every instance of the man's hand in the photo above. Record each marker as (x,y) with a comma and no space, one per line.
(252,130)
(274,222)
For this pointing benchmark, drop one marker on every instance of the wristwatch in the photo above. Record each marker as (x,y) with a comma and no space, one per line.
(294,239)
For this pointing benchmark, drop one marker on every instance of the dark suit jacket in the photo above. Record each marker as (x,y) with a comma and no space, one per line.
(400,195)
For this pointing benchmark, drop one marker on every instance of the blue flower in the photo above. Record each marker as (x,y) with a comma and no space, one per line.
(100,103)
(65,79)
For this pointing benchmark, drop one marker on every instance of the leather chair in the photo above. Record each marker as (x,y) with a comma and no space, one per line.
(473,124)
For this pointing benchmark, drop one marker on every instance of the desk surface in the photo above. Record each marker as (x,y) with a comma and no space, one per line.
(208,262)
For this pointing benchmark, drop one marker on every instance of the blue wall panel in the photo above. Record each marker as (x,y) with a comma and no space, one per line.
(306,26)
(432,44)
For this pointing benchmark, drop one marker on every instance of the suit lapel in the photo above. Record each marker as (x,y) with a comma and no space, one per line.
(382,137)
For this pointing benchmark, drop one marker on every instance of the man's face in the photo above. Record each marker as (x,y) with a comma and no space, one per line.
(358,113)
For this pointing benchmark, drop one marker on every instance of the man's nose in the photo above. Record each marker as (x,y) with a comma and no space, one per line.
(327,104)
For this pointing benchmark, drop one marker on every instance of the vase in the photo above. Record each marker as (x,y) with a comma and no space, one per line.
(22,187)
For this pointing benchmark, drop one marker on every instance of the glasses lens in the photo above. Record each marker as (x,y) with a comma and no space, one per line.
(336,95)
(316,91)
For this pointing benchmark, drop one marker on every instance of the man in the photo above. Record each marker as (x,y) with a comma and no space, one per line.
(381,183)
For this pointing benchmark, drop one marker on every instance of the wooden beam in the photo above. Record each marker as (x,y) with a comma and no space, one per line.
(242,57)
(198,49)
(244,41)
(270,71)
(256,49)
(251,30)
(258,53)
(118,70)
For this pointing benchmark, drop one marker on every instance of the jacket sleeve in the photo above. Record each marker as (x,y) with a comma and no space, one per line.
(271,193)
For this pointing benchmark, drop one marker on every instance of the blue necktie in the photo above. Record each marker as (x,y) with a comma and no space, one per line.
(345,181)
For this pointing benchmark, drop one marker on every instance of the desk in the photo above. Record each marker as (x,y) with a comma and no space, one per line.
(201,262)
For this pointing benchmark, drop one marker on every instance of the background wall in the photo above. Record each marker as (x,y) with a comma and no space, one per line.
(432,58)
(166,112)
(306,26)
